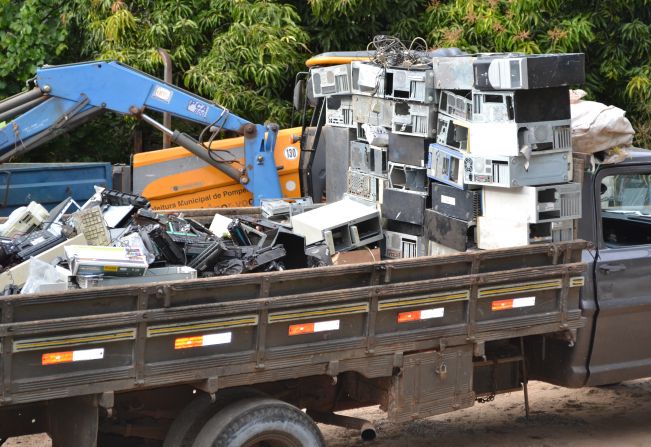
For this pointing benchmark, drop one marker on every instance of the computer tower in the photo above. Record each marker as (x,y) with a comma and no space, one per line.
(436,249)
(409,150)
(414,85)
(403,227)
(534,204)
(414,119)
(456,105)
(531,71)
(404,206)
(548,167)
(464,204)
(411,178)
(454,72)
(563,230)
(521,106)
(453,233)
(367,79)
(367,158)
(343,225)
(511,139)
(372,110)
(446,165)
(339,111)
(522,121)
(332,80)
(403,245)
(337,153)
(312,165)
(365,186)
(452,132)
(503,232)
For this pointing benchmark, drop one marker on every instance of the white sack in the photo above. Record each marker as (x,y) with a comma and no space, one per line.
(597,127)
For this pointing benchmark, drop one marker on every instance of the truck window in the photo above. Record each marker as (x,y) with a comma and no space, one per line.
(626,209)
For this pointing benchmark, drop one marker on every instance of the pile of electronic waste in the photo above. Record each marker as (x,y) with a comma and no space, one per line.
(458,152)
(427,154)
(116,239)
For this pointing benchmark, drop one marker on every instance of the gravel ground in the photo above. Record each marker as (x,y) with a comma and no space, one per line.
(589,417)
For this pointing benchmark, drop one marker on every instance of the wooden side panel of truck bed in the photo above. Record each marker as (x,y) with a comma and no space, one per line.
(230,331)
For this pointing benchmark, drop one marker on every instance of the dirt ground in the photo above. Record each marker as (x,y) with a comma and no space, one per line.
(595,417)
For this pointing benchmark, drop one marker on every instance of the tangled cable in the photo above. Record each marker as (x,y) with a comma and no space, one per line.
(392,52)
(215,129)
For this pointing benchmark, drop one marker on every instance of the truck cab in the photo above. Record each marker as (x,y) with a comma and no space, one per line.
(616,300)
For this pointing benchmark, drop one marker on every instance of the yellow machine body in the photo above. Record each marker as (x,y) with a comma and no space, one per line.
(176,179)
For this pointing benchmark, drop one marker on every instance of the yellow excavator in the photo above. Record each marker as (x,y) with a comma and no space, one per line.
(174,178)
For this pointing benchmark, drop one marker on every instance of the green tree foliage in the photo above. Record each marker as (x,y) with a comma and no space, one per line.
(244,54)
(133,31)
(509,26)
(620,56)
(253,58)
(32,32)
(351,24)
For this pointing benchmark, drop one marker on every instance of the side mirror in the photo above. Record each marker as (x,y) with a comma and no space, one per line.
(299,94)
(311,100)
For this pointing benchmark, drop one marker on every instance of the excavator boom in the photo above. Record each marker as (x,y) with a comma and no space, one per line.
(67,95)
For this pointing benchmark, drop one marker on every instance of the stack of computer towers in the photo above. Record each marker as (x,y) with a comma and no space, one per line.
(516,124)
(474,151)
(412,93)
(332,85)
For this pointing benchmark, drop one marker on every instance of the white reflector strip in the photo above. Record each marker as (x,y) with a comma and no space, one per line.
(418,315)
(321,326)
(87,354)
(432,313)
(524,302)
(513,303)
(217,339)
(198,341)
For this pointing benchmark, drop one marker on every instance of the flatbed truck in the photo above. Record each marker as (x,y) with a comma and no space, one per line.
(233,361)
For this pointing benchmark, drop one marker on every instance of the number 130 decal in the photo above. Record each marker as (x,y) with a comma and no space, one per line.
(291,153)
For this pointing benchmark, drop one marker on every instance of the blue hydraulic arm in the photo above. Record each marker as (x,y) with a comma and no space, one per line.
(65,96)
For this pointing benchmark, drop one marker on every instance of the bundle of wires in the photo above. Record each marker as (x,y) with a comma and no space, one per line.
(392,52)
(215,129)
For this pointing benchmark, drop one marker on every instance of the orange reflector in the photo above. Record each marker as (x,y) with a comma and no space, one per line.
(53,358)
(309,328)
(423,314)
(513,303)
(305,328)
(404,317)
(188,342)
(203,340)
(502,305)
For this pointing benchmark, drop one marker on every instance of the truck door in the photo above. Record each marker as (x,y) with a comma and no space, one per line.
(622,336)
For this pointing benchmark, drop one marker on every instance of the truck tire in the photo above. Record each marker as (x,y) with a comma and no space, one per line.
(191,419)
(259,422)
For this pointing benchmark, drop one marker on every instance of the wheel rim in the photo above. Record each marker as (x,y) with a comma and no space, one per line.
(273,439)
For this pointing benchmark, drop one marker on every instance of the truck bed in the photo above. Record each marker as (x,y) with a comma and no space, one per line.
(50,183)
(229,331)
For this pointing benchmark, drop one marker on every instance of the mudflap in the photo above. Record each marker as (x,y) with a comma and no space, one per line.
(430,383)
